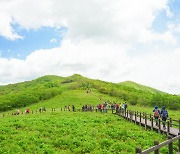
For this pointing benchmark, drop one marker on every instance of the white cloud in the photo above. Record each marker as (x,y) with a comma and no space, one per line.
(99,34)
(65,60)
(174,27)
(53,40)
(103,20)
(110,63)
(159,70)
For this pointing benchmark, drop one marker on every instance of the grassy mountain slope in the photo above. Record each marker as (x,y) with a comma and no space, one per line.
(140,87)
(30,92)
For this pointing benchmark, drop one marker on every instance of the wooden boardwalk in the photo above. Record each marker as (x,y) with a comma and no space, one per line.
(149,123)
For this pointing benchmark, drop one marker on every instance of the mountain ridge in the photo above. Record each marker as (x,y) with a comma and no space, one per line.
(45,87)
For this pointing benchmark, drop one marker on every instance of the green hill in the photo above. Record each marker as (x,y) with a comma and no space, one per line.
(140,87)
(75,132)
(46,87)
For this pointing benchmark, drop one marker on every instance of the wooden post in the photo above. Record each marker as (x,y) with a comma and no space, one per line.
(170,145)
(145,121)
(138,150)
(155,144)
(168,127)
(179,125)
(179,144)
(159,130)
(127,114)
(131,116)
(170,120)
(143,115)
(151,123)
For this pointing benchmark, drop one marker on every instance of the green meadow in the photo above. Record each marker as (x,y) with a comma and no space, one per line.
(72,132)
(76,132)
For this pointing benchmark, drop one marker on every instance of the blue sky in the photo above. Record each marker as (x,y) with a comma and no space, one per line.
(113,40)
(35,39)
(42,38)
(160,23)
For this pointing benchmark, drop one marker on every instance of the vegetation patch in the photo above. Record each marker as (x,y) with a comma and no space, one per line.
(72,132)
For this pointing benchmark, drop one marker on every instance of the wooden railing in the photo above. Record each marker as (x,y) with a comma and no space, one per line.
(144,119)
(157,146)
(147,120)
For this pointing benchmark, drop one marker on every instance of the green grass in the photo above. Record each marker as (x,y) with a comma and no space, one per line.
(68,132)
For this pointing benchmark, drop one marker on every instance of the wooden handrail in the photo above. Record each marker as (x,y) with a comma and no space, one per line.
(157,147)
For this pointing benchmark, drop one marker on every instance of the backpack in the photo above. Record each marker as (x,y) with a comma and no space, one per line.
(156,113)
(164,113)
(125,106)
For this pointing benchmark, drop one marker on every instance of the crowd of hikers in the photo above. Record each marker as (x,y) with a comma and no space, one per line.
(163,114)
(69,108)
(105,106)
(17,112)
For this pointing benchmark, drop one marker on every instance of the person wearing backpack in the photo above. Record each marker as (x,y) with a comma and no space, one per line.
(164,115)
(125,106)
(156,114)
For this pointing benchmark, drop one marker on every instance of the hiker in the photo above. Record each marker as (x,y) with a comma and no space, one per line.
(83,108)
(27,111)
(156,114)
(122,106)
(69,108)
(99,106)
(125,106)
(44,109)
(17,112)
(164,115)
(112,106)
(73,108)
(105,106)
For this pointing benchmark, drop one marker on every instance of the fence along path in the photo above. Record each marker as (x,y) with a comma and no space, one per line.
(147,120)
(143,120)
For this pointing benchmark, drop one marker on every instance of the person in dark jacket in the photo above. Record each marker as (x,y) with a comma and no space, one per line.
(164,116)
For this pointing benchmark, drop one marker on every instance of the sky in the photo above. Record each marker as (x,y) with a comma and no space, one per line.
(110,40)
